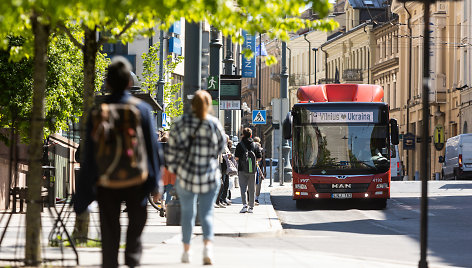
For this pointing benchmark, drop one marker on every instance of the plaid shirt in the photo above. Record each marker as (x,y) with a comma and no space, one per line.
(197,167)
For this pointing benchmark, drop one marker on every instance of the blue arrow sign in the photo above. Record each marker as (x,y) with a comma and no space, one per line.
(259,117)
(164,120)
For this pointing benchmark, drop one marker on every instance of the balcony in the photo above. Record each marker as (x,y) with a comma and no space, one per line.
(352,75)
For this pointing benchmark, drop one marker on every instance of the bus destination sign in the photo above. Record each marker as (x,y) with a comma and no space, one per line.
(341,117)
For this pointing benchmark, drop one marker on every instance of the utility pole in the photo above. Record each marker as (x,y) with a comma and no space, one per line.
(287,168)
(215,45)
(193,61)
(160,82)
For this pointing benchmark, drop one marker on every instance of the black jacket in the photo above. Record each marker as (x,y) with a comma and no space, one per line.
(250,145)
(86,183)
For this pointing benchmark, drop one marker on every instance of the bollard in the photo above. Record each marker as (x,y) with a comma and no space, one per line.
(13,193)
(270,170)
(173,210)
(22,199)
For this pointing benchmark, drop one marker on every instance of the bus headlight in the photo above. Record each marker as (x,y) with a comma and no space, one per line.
(300,186)
(382,186)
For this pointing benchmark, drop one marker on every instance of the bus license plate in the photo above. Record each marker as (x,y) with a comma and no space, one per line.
(341,195)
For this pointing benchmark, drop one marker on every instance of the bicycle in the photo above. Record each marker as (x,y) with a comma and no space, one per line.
(156,205)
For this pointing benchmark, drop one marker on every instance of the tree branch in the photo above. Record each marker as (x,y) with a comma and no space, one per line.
(127,26)
(70,35)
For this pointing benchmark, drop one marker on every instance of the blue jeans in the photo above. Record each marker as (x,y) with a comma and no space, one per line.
(188,207)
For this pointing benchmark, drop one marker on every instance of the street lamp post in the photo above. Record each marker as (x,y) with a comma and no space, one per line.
(193,61)
(309,59)
(315,49)
(285,146)
(161,82)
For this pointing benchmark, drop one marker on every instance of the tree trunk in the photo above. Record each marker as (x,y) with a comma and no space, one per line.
(90,50)
(33,212)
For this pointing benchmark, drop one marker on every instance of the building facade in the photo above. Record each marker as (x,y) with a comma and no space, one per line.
(445,76)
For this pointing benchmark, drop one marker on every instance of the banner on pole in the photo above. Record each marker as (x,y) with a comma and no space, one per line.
(249,65)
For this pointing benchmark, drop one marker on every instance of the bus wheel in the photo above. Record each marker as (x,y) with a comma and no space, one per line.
(301,203)
(380,203)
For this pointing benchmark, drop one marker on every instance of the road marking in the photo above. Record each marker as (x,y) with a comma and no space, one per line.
(410,208)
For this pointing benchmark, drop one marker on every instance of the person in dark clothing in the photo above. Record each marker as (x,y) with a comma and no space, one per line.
(221,198)
(89,188)
(247,181)
(224,195)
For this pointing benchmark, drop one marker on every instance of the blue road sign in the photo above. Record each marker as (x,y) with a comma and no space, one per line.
(164,120)
(259,117)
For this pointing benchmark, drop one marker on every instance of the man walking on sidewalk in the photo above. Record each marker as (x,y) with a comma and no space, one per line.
(247,154)
(120,163)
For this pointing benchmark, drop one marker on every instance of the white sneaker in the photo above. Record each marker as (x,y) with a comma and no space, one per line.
(208,255)
(250,210)
(243,210)
(185,257)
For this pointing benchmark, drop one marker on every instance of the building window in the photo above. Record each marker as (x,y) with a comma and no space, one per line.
(394,88)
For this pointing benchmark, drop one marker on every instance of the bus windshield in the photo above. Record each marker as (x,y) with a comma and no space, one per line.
(341,148)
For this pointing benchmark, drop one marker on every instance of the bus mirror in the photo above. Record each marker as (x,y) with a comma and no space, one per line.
(287,127)
(394,132)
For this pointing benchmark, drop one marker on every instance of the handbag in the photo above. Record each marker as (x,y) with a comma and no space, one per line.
(231,168)
(259,171)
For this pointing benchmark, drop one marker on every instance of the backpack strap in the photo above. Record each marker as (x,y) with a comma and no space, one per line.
(245,148)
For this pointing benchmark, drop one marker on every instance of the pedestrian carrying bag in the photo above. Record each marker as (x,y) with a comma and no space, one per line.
(231,168)
(248,161)
(119,145)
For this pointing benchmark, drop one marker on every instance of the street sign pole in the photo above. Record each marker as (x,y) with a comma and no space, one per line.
(423,263)
(215,45)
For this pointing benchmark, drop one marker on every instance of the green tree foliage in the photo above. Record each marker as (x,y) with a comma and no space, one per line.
(16,90)
(63,99)
(172,101)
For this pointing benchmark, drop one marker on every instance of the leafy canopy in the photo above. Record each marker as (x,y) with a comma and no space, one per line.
(173,105)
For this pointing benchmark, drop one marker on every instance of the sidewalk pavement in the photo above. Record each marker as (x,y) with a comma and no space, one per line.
(163,248)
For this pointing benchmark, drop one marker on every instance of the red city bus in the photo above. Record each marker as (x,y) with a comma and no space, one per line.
(341,137)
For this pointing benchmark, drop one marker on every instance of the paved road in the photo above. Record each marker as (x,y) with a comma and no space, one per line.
(393,234)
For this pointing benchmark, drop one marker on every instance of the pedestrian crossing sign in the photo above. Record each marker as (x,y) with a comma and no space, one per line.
(259,117)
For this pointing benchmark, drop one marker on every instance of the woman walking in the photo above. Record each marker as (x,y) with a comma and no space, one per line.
(196,139)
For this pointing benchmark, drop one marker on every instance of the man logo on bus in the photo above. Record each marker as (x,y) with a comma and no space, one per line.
(341,186)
